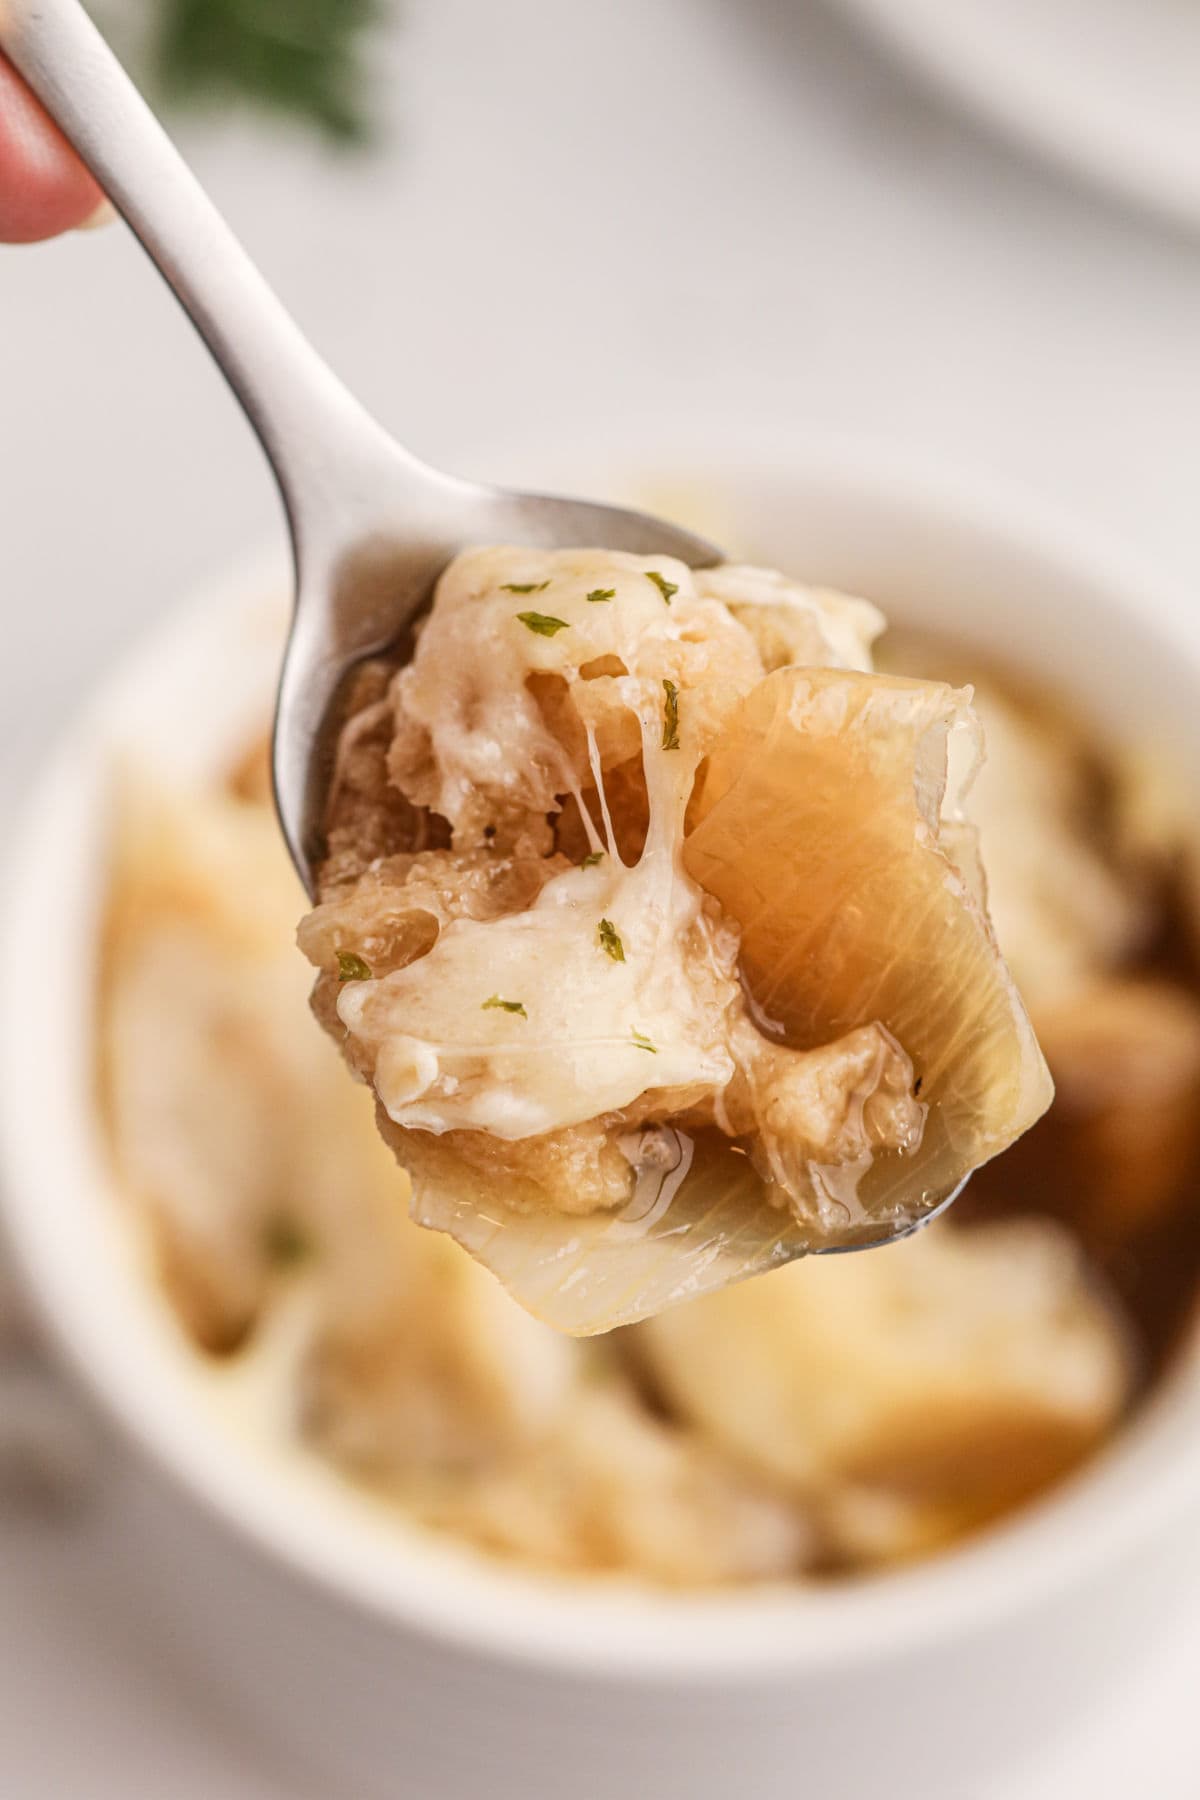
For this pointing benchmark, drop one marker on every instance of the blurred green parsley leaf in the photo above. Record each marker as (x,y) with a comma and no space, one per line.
(302,58)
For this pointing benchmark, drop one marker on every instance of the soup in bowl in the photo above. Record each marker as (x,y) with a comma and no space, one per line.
(695,1535)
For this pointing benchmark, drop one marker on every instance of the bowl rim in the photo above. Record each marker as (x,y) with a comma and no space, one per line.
(616,1632)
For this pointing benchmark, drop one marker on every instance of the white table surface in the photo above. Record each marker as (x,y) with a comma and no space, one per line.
(645,209)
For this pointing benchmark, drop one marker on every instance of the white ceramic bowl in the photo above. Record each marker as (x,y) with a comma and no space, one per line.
(395,1664)
(1107,88)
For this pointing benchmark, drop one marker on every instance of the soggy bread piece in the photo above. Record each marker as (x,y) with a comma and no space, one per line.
(1115,1151)
(1087,849)
(1062,909)
(910,1394)
(278,1223)
(188,966)
(552,951)
(616,1489)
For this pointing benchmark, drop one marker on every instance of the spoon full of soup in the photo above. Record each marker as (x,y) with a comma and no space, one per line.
(648,910)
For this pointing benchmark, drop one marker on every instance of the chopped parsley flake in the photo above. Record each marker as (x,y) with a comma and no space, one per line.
(611,941)
(285,1243)
(668,589)
(351,967)
(543,623)
(670,736)
(523,587)
(590,861)
(643,1042)
(495,1003)
(601,594)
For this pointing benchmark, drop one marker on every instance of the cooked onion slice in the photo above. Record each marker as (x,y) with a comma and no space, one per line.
(818,826)
(699,1219)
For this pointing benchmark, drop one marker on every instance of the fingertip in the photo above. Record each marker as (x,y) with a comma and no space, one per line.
(44,188)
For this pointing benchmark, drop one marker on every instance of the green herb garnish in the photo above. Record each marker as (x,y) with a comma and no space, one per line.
(524,587)
(495,1003)
(666,588)
(351,967)
(590,861)
(602,594)
(284,1242)
(643,1042)
(543,623)
(611,941)
(309,59)
(670,736)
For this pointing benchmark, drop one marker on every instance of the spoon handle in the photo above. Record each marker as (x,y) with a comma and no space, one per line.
(307,422)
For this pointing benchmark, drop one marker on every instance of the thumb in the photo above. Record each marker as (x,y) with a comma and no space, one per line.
(44,188)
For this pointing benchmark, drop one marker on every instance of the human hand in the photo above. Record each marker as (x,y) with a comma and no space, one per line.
(44,188)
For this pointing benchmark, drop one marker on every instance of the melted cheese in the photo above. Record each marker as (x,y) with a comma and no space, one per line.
(601,1022)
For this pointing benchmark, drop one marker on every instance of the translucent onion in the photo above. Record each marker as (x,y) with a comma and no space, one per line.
(817,825)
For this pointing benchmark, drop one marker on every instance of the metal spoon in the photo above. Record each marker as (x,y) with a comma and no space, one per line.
(371,526)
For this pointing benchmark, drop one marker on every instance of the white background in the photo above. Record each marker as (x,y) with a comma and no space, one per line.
(632,216)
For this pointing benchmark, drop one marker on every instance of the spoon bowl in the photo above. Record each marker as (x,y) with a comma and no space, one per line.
(363,580)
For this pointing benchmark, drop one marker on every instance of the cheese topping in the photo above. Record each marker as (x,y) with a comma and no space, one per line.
(601,965)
